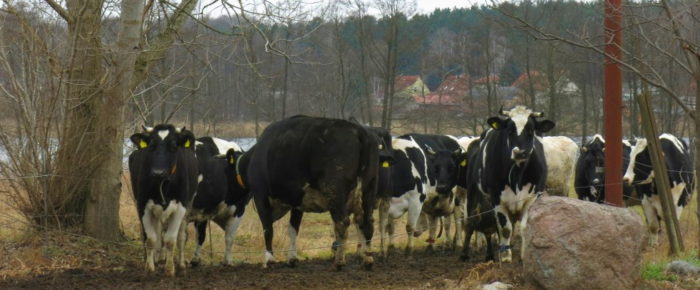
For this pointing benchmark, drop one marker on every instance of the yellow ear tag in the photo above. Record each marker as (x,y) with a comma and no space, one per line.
(143,144)
(187,143)
(385,164)
(232,160)
(494,125)
(463,163)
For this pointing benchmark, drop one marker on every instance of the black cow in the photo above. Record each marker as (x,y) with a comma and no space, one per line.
(444,156)
(512,168)
(478,206)
(164,179)
(679,164)
(308,164)
(403,189)
(222,194)
(589,181)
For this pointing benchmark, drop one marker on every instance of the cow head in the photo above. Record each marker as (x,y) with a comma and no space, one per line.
(162,143)
(386,152)
(593,159)
(639,170)
(444,165)
(233,158)
(520,126)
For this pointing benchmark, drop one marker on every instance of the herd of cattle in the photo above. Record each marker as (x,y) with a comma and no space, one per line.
(307,164)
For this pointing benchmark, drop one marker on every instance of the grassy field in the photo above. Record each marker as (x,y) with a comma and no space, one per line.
(27,254)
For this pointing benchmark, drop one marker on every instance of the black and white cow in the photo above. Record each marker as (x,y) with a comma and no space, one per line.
(512,168)
(164,178)
(444,155)
(405,191)
(478,206)
(639,173)
(589,181)
(308,164)
(221,195)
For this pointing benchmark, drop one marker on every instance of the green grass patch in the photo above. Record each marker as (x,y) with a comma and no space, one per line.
(656,271)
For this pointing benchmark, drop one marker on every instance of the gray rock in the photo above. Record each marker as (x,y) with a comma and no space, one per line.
(682,268)
(573,244)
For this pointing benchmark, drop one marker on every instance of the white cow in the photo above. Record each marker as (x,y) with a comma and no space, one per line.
(561,154)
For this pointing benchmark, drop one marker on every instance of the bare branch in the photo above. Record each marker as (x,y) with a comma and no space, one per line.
(60,10)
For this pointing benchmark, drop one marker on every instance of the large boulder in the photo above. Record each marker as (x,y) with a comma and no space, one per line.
(573,244)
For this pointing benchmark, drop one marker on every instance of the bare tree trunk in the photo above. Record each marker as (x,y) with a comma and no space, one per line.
(552,81)
(584,124)
(390,72)
(528,71)
(489,97)
(75,161)
(285,80)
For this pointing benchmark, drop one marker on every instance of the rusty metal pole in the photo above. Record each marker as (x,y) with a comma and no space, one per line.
(612,106)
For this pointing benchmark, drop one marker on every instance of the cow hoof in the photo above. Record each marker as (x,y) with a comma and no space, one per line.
(292,263)
(464,258)
(430,249)
(195,263)
(339,267)
(368,266)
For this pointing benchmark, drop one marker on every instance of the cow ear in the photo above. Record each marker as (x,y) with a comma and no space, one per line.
(186,139)
(495,123)
(545,126)
(140,140)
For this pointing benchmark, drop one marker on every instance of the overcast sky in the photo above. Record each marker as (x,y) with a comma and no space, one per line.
(427,6)
(422,6)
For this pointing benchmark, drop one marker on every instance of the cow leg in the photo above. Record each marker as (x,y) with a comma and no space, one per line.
(152,229)
(182,236)
(489,248)
(364,220)
(390,232)
(232,224)
(414,209)
(201,234)
(447,220)
(469,230)
(341,223)
(523,226)
(458,216)
(265,215)
(432,228)
(383,224)
(175,219)
(293,230)
(505,229)
(649,204)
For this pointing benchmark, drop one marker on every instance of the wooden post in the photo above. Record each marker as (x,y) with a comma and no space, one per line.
(612,103)
(660,174)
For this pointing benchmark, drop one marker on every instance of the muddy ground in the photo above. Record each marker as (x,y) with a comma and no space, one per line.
(424,270)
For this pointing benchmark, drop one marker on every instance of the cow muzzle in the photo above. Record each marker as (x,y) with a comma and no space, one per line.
(596,181)
(161,173)
(442,189)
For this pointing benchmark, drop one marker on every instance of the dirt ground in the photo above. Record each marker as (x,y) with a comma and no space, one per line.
(423,271)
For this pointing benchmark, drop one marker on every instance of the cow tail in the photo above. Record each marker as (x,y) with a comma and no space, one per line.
(368,169)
